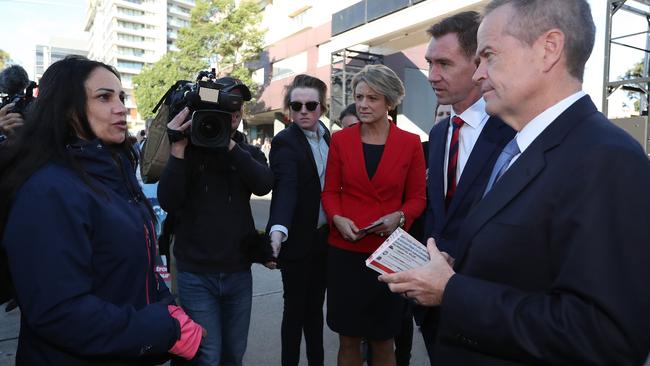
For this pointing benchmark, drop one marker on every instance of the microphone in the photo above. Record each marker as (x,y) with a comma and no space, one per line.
(13,80)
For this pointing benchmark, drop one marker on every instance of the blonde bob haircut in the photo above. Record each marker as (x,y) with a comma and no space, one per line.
(383,81)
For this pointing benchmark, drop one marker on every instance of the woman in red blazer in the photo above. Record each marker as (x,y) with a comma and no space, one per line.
(375,174)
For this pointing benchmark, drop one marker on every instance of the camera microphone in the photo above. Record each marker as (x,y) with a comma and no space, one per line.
(13,80)
(193,99)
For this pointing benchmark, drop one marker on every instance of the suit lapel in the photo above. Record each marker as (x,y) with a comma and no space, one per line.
(522,172)
(486,146)
(327,136)
(516,178)
(436,184)
(300,136)
(359,160)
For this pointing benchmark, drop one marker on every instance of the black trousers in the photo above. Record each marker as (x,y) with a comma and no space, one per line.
(304,282)
(429,328)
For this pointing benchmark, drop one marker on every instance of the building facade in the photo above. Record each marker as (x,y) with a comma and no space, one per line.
(332,40)
(129,34)
(57,49)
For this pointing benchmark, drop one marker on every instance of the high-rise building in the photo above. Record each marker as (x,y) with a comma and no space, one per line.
(57,49)
(130,34)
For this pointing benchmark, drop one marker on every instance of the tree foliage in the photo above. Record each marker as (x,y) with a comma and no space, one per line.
(635,72)
(4,58)
(220,34)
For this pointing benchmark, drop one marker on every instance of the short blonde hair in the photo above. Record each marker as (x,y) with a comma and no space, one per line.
(382,80)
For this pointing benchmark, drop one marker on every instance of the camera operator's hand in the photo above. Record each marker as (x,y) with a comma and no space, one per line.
(177,123)
(9,121)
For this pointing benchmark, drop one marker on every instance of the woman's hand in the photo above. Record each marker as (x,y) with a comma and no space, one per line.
(389,223)
(179,124)
(346,227)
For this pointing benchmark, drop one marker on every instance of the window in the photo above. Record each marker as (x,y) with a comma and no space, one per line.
(133,25)
(129,25)
(130,37)
(133,65)
(132,12)
(130,51)
(290,66)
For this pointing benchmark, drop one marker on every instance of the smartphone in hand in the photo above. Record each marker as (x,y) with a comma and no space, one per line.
(366,229)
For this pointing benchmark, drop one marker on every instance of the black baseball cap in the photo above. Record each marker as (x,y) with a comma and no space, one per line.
(229,83)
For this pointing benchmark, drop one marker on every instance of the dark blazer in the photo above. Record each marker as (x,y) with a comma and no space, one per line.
(552,265)
(398,183)
(441,224)
(80,255)
(296,191)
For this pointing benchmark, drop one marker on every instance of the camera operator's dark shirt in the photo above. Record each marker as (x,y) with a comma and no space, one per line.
(208,195)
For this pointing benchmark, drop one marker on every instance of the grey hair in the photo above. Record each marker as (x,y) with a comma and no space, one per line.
(382,80)
(534,17)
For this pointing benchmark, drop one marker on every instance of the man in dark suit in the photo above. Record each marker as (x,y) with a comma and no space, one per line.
(551,266)
(297,223)
(463,147)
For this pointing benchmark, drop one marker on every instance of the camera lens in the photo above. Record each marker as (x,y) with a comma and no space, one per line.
(209,129)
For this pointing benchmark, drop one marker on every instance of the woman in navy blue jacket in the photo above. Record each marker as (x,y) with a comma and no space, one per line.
(79,234)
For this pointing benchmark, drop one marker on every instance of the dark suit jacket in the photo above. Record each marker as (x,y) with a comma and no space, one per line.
(398,183)
(553,264)
(296,191)
(441,224)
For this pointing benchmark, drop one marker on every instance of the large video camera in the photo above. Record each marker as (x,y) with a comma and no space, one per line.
(20,100)
(212,102)
(16,88)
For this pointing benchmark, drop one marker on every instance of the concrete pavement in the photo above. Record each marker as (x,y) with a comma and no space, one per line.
(264,335)
(266,317)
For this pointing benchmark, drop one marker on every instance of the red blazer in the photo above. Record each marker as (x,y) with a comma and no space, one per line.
(398,183)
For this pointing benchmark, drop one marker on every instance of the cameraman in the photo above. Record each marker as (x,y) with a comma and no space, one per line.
(208,193)
(13,81)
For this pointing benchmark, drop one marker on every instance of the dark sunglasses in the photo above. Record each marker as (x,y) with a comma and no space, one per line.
(297,106)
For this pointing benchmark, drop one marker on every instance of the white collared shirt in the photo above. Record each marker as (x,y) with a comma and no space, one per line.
(319,150)
(537,125)
(475,118)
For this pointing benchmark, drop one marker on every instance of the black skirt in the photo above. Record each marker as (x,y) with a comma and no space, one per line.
(358,305)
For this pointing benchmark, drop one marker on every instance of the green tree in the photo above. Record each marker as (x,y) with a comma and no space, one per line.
(4,58)
(635,72)
(220,33)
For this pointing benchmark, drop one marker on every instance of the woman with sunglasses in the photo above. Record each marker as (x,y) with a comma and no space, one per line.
(375,177)
(297,223)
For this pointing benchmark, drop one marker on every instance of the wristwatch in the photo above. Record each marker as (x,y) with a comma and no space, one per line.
(402,219)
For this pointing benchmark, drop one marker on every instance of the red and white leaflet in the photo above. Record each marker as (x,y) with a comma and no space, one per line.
(400,252)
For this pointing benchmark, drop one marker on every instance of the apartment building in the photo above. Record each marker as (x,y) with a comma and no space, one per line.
(130,34)
(57,49)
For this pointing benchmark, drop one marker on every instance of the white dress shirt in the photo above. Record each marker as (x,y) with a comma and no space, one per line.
(537,125)
(475,118)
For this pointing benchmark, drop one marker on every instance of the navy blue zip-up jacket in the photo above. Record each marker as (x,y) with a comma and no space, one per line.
(82,261)
(208,193)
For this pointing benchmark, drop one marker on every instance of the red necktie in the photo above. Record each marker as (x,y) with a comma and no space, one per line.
(457,123)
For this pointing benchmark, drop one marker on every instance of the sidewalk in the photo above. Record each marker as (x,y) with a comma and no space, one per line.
(266,318)
(9,324)
(263,338)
